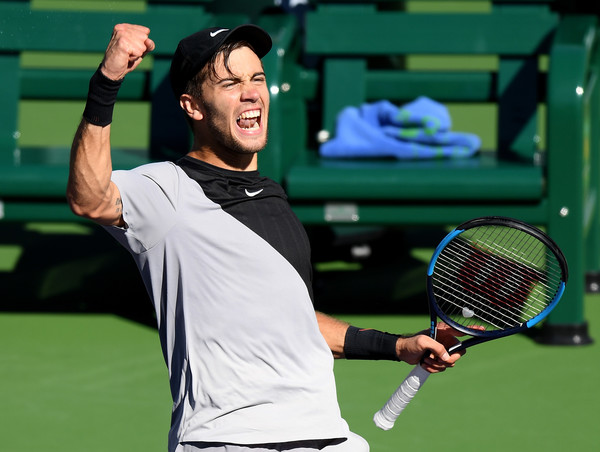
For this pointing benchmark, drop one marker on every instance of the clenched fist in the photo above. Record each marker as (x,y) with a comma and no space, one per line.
(128,45)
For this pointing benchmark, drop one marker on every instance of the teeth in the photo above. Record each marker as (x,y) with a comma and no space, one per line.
(249,120)
(249,114)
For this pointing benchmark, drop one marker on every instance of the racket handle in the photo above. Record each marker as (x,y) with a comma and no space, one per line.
(386,416)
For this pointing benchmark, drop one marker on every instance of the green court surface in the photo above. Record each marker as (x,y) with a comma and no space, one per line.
(507,395)
(80,372)
(98,383)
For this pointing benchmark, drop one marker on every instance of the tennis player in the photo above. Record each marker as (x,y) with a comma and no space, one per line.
(225,261)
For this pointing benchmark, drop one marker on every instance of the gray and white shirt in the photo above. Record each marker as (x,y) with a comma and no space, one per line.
(227,266)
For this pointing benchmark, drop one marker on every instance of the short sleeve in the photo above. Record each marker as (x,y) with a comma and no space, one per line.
(149,194)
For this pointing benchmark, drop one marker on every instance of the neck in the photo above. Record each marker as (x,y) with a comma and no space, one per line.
(227,160)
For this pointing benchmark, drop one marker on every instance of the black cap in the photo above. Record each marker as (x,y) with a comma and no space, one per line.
(196,50)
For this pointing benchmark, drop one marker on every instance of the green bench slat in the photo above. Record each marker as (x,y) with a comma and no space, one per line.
(418,214)
(74,31)
(481,178)
(443,86)
(38,181)
(514,31)
(48,178)
(11,210)
(73,84)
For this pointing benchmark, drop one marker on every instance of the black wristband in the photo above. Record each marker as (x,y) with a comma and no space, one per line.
(370,344)
(101,99)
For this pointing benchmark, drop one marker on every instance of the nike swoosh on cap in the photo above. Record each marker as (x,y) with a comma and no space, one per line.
(215,33)
(253,193)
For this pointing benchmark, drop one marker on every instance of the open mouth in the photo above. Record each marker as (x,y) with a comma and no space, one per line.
(249,120)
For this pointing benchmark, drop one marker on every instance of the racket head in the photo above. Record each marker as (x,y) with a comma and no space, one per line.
(495,276)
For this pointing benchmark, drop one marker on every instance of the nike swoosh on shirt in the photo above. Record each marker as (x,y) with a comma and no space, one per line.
(253,193)
(215,33)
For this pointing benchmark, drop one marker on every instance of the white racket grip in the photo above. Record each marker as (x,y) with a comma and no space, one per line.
(386,416)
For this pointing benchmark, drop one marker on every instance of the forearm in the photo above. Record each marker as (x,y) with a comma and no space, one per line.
(90,192)
(346,341)
(334,332)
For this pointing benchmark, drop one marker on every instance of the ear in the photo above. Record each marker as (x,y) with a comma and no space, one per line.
(191,107)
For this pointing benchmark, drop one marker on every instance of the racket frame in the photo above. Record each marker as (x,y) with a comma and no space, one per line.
(479,336)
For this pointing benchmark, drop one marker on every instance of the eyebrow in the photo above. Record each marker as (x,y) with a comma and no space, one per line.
(235,78)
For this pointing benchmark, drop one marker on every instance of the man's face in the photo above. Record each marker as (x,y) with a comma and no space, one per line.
(236,106)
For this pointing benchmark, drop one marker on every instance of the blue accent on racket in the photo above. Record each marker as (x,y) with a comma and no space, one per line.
(550,307)
(439,249)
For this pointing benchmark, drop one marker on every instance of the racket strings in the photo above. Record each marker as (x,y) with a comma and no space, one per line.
(507,292)
(495,276)
(495,315)
(498,313)
(525,247)
(498,239)
(509,244)
(533,269)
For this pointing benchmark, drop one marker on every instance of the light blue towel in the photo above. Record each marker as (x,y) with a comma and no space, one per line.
(417,130)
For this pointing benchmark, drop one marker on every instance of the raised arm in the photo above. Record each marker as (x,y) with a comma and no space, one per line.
(90,192)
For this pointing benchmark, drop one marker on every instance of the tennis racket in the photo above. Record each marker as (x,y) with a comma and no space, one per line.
(489,278)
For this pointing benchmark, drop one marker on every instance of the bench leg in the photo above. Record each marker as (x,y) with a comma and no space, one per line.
(566,324)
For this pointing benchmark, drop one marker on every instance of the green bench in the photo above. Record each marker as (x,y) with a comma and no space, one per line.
(33,179)
(541,167)
(33,173)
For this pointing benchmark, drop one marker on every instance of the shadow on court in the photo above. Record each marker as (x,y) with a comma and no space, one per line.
(70,269)
(79,268)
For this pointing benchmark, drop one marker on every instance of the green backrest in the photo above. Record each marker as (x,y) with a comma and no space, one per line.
(366,53)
